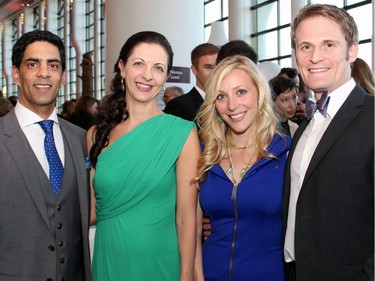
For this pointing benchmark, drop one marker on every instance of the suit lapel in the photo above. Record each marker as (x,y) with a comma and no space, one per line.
(196,97)
(287,179)
(24,157)
(348,111)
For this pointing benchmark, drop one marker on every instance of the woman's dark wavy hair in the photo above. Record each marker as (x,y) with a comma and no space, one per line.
(112,110)
(281,84)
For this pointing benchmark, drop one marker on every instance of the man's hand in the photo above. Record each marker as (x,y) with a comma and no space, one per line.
(300,111)
(206,228)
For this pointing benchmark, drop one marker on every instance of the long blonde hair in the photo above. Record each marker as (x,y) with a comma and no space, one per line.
(213,130)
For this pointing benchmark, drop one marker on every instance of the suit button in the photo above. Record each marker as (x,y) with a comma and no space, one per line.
(61,243)
(59,226)
(51,248)
(59,208)
(62,260)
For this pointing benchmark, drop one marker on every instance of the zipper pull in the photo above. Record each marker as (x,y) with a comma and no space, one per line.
(234,191)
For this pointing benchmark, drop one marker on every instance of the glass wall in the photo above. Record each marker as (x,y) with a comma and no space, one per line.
(270,26)
(84,18)
(269,34)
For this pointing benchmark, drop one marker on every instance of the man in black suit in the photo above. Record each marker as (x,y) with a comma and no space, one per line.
(328,199)
(203,59)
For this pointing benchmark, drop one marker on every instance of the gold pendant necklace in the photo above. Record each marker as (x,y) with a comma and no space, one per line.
(243,171)
(238,146)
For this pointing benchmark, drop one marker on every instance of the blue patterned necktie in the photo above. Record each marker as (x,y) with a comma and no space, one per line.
(321,105)
(56,169)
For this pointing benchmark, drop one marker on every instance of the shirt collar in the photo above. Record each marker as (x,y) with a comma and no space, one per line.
(339,96)
(201,92)
(26,117)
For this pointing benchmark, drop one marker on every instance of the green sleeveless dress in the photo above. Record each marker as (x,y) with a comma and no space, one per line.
(135,190)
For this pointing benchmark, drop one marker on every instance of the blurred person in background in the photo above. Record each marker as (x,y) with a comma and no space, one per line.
(284,95)
(85,112)
(5,106)
(13,99)
(203,61)
(362,74)
(303,93)
(172,92)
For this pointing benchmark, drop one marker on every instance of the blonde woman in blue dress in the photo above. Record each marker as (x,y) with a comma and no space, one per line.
(240,175)
(144,165)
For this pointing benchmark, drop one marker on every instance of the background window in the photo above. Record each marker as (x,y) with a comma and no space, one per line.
(270,34)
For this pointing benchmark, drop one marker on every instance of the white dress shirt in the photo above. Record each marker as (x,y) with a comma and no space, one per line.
(303,153)
(35,134)
(201,92)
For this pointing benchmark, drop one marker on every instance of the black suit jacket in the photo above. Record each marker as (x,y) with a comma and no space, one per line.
(334,231)
(185,106)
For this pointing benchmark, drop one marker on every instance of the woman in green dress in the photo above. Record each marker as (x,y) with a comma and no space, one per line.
(143,173)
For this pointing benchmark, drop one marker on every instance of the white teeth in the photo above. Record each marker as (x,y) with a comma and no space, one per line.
(144,86)
(42,86)
(238,116)
(318,70)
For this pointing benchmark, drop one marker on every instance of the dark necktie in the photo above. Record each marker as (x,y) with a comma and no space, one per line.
(56,169)
(321,105)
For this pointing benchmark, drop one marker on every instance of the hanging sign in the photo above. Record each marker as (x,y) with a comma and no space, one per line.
(179,75)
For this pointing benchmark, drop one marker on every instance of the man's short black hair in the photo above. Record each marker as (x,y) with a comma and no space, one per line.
(35,36)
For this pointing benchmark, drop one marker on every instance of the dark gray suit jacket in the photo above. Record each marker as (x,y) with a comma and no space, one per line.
(185,106)
(334,232)
(31,247)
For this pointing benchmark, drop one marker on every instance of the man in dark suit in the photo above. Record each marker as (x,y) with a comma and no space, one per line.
(328,199)
(43,230)
(203,58)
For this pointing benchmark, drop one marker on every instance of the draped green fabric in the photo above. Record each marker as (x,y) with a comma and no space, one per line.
(135,190)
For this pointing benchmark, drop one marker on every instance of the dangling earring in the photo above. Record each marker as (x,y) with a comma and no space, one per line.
(163,89)
(123,84)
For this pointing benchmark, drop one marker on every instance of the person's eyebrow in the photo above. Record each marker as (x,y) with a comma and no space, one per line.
(39,60)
